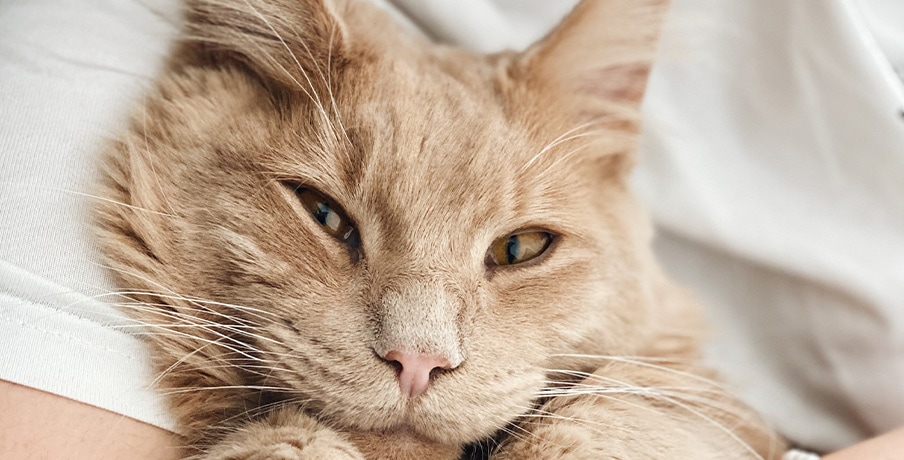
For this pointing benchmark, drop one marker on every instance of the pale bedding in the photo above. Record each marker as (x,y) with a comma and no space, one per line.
(772,164)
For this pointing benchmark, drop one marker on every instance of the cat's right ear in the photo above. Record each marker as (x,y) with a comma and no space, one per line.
(599,55)
(290,42)
(595,64)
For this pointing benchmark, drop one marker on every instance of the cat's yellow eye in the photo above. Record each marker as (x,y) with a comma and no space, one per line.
(519,247)
(329,216)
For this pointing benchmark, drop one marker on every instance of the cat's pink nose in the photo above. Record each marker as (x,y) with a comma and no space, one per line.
(414,376)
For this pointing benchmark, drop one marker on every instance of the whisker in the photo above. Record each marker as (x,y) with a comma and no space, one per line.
(562,138)
(150,161)
(262,409)
(672,396)
(648,362)
(182,390)
(93,197)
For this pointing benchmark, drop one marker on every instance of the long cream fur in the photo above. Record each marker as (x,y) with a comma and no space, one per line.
(267,332)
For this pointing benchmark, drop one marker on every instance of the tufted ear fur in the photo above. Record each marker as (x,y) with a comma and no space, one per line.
(596,64)
(280,40)
(295,44)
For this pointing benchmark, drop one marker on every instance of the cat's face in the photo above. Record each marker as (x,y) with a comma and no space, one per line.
(424,162)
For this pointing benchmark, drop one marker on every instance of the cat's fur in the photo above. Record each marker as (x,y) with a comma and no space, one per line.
(267,331)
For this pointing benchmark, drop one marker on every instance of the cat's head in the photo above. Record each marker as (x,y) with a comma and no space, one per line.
(348,203)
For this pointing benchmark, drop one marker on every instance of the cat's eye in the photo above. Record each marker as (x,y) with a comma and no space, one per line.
(329,215)
(519,247)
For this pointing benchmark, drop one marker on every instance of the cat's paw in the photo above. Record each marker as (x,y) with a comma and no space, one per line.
(286,449)
(284,436)
(664,412)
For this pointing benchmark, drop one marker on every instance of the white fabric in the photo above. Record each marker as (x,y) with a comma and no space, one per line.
(883,18)
(799,455)
(69,73)
(772,163)
(485,25)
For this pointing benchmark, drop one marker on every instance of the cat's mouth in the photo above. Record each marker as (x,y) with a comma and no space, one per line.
(416,421)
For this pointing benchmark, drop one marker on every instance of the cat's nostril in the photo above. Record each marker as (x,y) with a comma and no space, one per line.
(415,370)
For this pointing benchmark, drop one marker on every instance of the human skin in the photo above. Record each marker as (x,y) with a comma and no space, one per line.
(889,446)
(38,425)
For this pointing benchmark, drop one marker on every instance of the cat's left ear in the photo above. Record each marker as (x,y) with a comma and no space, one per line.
(293,43)
(597,60)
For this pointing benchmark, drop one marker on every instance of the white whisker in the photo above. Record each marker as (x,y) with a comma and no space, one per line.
(93,197)
(175,391)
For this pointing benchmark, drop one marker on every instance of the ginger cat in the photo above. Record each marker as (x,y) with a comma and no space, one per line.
(347,242)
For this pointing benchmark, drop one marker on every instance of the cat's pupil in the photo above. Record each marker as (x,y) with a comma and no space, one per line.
(513,250)
(327,214)
(327,217)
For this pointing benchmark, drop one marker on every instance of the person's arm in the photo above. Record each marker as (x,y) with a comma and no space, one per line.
(35,424)
(889,446)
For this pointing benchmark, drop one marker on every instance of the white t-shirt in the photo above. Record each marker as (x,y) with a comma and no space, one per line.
(70,72)
(772,162)
(774,168)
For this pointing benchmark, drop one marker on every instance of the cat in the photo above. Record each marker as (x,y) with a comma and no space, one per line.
(348,242)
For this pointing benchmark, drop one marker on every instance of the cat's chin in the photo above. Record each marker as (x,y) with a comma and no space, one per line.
(424,420)
(404,431)
(415,423)
(401,442)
